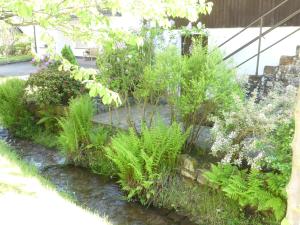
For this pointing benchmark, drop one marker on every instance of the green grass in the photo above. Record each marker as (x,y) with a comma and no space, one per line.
(27,198)
(46,139)
(14,58)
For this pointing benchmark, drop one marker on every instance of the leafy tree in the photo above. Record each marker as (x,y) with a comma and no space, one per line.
(91,23)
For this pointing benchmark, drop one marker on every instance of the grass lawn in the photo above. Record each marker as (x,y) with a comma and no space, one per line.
(15,58)
(28,199)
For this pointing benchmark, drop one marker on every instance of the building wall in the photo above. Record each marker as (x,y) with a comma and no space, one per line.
(239,13)
(270,57)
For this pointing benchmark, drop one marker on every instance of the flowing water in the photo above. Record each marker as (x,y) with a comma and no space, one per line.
(96,192)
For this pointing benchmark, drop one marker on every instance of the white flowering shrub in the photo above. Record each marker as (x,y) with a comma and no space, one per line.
(241,135)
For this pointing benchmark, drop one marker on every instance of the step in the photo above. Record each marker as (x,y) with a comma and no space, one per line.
(286,60)
(270,70)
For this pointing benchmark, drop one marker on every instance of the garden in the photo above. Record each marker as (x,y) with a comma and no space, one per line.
(155,105)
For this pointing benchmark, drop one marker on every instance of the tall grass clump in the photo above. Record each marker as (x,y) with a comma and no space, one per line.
(13,110)
(140,160)
(80,140)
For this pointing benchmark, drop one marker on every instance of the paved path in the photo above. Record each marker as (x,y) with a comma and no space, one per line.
(17,69)
(119,117)
(26,68)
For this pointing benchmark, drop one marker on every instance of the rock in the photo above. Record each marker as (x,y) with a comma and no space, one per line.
(188,163)
(188,166)
(188,174)
(200,178)
(204,140)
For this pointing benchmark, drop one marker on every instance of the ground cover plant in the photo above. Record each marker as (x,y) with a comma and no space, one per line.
(203,204)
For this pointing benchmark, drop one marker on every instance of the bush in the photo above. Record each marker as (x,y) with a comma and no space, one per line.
(79,140)
(50,86)
(242,135)
(68,54)
(140,160)
(208,87)
(122,64)
(13,110)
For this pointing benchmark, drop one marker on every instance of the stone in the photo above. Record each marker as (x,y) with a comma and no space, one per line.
(286,60)
(200,178)
(188,174)
(204,139)
(270,70)
(188,163)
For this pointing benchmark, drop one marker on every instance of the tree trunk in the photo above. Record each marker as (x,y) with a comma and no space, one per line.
(293,188)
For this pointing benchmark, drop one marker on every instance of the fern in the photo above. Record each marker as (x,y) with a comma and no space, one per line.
(140,160)
(13,111)
(255,189)
(80,141)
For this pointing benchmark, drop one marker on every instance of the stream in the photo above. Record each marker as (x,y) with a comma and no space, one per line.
(98,193)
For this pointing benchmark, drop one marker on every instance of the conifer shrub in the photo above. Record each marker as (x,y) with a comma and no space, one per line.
(68,54)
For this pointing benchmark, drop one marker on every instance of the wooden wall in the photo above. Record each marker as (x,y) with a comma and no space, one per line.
(239,13)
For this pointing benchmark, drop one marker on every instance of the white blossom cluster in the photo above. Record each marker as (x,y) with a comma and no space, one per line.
(238,134)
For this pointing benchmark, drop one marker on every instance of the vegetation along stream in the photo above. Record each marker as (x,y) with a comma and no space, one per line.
(95,192)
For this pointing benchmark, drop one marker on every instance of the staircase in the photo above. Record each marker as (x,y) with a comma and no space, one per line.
(286,73)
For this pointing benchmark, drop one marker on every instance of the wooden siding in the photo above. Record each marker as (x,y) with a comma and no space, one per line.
(239,13)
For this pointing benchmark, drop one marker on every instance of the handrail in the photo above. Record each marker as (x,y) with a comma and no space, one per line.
(267,48)
(263,34)
(252,23)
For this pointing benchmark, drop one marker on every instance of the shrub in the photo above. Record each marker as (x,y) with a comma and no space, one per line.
(68,54)
(207,87)
(242,135)
(50,86)
(79,140)
(121,65)
(13,111)
(264,192)
(140,160)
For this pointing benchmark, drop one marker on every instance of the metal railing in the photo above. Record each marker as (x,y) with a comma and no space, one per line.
(261,35)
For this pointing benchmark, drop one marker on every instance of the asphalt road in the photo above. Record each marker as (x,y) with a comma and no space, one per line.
(26,68)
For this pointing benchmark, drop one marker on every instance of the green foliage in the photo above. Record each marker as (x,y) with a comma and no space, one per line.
(140,160)
(79,140)
(50,86)
(280,155)
(264,192)
(13,110)
(162,78)
(206,78)
(121,64)
(68,54)
(45,138)
(202,204)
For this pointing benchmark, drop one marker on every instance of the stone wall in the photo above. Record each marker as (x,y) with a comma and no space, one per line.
(286,73)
